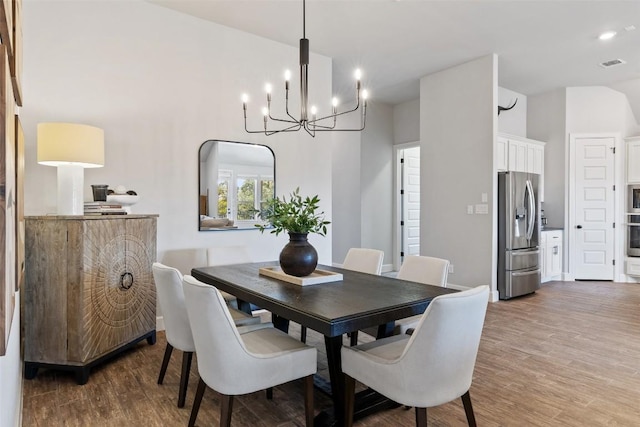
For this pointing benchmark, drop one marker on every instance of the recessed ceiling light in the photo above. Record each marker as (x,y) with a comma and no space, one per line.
(607,35)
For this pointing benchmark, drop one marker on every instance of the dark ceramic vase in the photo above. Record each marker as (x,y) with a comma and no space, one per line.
(298,257)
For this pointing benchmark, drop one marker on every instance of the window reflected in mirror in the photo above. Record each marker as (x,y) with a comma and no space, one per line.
(236,180)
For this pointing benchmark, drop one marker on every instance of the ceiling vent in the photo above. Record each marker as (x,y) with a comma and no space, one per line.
(612,63)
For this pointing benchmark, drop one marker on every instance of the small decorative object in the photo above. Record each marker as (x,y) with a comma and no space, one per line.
(298,217)
(99,192)
(121,196)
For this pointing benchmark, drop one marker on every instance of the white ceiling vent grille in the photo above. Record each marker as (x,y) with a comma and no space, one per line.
(612,63)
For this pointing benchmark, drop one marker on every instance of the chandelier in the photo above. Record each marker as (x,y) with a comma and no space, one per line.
(309,120)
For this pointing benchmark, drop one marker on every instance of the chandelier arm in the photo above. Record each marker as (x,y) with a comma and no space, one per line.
(316,126)
(364,119)
(275,119)
(286,107)
(335,115)
(306,127)
(294,128)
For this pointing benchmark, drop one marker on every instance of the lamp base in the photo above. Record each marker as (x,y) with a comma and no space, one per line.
(70,191)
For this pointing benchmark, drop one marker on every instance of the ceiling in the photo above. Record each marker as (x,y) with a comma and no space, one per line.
(541,45)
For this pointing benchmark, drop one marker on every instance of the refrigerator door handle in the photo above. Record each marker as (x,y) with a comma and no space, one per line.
(532,210)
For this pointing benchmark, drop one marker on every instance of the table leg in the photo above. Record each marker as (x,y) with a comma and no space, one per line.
(334,360)
(386,330)
(280,323)
(244,306)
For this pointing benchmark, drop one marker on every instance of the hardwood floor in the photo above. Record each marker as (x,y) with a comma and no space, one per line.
(569,355)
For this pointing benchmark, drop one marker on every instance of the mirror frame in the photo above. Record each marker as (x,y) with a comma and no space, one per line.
(200,228)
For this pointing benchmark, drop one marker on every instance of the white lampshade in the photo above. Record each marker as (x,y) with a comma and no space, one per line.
(71,147)
(62,143)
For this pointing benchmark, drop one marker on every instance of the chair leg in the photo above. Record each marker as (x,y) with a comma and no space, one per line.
(184,377)
(226,406)
(349,397)
(308,400)
(165,362)
(196,402)
(270,393)
(468,409)
(303,334)
(354,338)
(421,417)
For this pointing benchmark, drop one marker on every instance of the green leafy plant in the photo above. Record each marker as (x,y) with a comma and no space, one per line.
(296,215)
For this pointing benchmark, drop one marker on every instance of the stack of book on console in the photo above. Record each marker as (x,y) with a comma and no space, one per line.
(103,208)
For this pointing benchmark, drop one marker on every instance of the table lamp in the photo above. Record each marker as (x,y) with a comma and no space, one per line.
(71,147)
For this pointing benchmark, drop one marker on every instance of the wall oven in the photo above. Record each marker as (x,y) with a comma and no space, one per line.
(633,225)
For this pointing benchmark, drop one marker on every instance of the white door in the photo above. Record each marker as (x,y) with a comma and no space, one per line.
(411,201)
(593,222)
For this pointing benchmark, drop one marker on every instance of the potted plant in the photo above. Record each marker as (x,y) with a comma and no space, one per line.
(298,216)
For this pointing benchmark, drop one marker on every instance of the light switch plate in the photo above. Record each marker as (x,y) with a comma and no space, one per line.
(469,209)
(485,198)
(482,209)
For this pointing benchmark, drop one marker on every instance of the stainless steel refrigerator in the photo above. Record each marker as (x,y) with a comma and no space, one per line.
(518,234)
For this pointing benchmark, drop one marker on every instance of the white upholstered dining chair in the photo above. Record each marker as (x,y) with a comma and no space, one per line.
(266,357)
(168,282)
(421,269)
(227,255)
(429,368)
(364,260)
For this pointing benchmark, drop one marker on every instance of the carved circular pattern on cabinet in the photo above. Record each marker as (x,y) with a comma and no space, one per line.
(120,288)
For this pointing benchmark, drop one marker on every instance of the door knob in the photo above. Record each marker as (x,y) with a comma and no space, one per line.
(578,226)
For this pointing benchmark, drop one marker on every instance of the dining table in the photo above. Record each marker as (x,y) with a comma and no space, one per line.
(356,302)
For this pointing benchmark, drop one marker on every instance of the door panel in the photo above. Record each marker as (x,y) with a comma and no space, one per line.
(594,209)
(411,201)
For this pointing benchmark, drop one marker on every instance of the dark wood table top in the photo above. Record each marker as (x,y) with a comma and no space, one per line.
(360,300)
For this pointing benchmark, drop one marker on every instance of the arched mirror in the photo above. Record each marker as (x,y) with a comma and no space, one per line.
(236,179)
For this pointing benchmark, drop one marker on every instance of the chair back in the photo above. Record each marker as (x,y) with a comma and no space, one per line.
(364,260)
(225,255)
(171,299)
(441,354)
(425,269)
(221,352)
(185,259)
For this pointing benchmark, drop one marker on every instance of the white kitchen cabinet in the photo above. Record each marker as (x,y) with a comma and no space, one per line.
(523,155)
(551,252)
(502,154)
(633,160)
(517,156)
(633,267)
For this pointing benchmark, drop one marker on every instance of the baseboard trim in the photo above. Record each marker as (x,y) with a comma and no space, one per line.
(387,268)
(159,323)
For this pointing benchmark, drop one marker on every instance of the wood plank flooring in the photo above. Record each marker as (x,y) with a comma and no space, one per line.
(569,355)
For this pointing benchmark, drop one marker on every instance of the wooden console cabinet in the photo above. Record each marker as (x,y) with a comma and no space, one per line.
(89,291)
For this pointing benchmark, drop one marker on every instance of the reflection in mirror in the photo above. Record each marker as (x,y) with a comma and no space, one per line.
(236,180)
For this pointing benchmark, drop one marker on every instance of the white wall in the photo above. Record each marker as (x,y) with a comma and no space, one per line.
(376,180)
(11,375)
(345,190)
(513,121)
(160,83)
(546,121)
(552,117)
(406,122)
(596,109)
(458,127)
